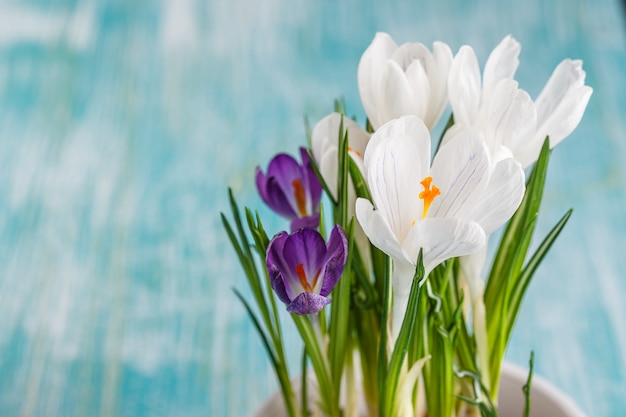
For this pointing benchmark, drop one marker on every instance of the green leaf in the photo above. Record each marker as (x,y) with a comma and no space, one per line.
(279,365)
(328,391)
(339,317)
(389,393)
(527,387)
(525,277)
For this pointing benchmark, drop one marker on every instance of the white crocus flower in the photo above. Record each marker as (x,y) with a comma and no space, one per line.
(325,148)
(559,107)
(506,115)
(407,80)
(442,209)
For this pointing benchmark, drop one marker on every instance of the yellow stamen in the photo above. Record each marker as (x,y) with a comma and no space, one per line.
(300,195)
(429,194)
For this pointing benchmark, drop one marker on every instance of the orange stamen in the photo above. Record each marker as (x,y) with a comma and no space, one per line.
(356,152)
(300,195)
(303,281)
(429,194)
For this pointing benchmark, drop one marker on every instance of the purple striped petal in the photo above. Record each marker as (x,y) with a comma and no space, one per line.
(308,303)
(305,253)
(290,189)
(279,199)
(336,254)
(303,270)
(276,265)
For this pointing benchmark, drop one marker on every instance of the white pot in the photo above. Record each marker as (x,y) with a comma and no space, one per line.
(546,399)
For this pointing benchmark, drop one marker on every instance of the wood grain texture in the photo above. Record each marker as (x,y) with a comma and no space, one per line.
(122,123)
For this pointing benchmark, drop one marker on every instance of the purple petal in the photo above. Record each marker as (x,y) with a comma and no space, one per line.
(305,247)
(278,200)
(336,254)
(313,184)
(276,265)
(285,169)
(261,183)
(308,303)
(308,222)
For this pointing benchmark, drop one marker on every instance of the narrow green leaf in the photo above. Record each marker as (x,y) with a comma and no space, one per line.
(526,215)
(280,367)
(384,327)
(525,277)
(329,393)
(402,343)
(320,177)
(304,405)
(360,185)
(448,125)
(339,316)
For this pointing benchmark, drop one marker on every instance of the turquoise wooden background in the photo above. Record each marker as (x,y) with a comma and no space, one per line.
(123,122)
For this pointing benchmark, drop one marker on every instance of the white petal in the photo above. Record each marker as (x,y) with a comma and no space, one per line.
(438,83)
(419,85)
(502,197)
(370,72)
(464,88)
(396,160)
(408,53)
(396,97)
(377,229)
(461,172)
(511,117)
(324,144)
(471,267)
(403,272)
(561,104)
(501,64)
(442,239)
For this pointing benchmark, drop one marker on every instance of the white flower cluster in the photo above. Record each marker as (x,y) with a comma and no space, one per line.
(449,206)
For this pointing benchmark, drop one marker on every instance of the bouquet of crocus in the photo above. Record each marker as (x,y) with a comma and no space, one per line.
(386,278)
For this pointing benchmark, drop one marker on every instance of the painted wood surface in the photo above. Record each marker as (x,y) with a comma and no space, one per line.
(121,125)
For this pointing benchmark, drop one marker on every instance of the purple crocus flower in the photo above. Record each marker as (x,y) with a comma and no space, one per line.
(292,189)
(304,269)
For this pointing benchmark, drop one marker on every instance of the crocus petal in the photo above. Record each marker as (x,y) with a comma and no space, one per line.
(501,64)
(439,83)
(443,238)
(511,118)
(308,222)
(471,268)
(396,160)
(420,89)
(275,264)
(464,86)
(461,171)
(370,72)
(307,303)
(273,195)
(276,199)
(396,98)
(312,185)
(324,145)
(305,248)
(378,230)
(336,255)
(502,197)
(561,104)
